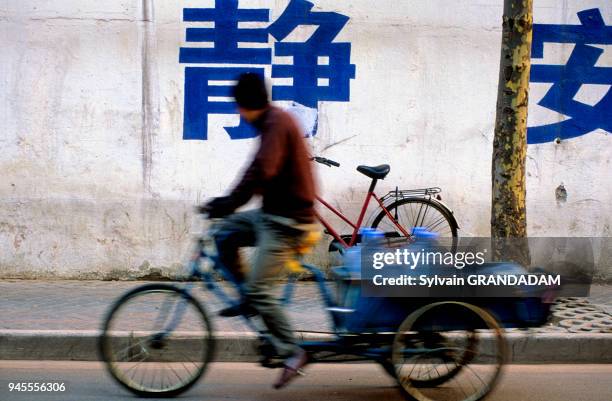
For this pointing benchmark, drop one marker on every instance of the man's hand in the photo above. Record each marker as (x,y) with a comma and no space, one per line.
(217,207)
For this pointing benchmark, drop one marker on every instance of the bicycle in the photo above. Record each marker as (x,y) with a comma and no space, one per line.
(157,339)
(398,211)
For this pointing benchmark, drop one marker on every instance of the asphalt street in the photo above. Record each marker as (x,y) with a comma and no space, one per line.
(88,381)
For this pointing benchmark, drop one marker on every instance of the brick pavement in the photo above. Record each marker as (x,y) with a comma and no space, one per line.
(81,305)
(601,296)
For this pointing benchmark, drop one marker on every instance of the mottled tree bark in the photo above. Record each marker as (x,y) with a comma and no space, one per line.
(508,214)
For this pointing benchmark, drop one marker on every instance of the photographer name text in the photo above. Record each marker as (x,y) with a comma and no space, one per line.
(472,280)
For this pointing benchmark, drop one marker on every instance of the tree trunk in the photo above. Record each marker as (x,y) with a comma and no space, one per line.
(508,215)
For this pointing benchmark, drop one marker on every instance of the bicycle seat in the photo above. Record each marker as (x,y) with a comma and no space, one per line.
(375,172)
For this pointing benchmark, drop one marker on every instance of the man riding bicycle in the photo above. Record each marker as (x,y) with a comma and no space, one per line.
(280,173)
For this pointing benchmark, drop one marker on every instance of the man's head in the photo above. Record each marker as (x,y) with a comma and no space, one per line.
(251,95)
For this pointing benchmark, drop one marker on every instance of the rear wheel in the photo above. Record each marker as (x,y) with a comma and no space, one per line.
(156,340)
(416,212)
(448,351)
(452,363)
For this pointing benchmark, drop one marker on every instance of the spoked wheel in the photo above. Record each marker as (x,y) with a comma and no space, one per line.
(448,351)
(416,212)
(453,361)
(156,341)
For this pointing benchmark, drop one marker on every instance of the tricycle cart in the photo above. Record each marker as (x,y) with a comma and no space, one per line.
(157,339)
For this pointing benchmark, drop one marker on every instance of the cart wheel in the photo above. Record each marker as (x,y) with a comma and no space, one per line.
(156,341)
(448,351)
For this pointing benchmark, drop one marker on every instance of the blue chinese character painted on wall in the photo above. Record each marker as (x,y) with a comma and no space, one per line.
(227,60)
(567,79)
(225,37)
(306,69)
(198,107)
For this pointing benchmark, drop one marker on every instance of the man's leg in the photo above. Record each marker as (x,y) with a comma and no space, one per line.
(234,232)
(275,245)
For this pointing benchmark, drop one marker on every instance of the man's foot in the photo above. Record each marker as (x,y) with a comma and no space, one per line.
(237,310)
(293,367)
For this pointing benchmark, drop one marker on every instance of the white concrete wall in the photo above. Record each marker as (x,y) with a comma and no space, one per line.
(96,180)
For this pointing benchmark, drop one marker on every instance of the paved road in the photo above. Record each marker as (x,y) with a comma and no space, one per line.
(87,381)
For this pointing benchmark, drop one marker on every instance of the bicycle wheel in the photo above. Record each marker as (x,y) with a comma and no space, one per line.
(156,340)
(416,212)
(455,346)
(456,359)
(453,361)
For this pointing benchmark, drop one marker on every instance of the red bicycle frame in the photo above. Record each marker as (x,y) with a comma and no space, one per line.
(356,226)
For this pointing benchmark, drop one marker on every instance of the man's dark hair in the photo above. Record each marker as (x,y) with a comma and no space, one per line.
(250,92)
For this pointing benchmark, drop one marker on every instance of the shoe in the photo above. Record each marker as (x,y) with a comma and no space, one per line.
(237,310)
(292,368)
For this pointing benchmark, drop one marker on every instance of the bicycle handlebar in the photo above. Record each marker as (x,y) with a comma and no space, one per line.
(205,209)
(325,161)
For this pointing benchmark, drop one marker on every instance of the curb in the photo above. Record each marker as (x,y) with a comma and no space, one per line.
(537,348)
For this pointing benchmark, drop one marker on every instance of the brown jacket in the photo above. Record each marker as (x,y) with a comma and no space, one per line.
(281,170)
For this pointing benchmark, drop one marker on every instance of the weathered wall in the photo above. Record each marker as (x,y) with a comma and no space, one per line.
(97,180)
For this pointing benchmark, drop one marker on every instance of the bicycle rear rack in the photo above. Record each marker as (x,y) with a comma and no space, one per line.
(407,193)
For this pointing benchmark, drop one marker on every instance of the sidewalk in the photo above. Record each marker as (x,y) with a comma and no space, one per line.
(45,310)
(81,305)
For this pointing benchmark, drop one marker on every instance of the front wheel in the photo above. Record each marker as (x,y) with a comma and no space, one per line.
(156,340)
(416,212)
